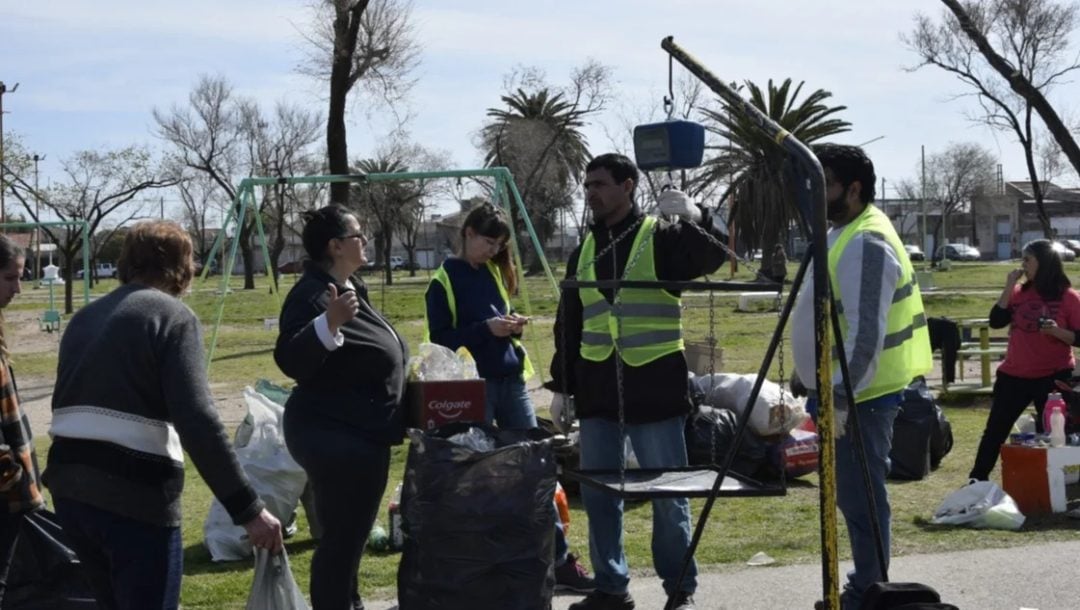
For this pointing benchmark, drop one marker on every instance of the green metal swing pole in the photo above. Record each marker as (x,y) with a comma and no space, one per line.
(257,210)
(528,226)
(240,206)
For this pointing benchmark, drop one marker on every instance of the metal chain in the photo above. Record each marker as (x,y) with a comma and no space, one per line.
(631,229)
(780,343)
(619,390)
(712,341)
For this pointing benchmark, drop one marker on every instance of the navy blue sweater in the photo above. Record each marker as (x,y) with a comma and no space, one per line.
(475,293)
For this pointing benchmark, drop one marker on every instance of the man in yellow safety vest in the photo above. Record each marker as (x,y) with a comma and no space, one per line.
(886,344)
(620,355)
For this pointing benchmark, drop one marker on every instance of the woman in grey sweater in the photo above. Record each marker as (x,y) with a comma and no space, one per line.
(131,397)
(345,413)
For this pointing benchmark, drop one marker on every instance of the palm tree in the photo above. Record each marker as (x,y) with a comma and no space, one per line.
(763,206)
(538,137)
(381,205)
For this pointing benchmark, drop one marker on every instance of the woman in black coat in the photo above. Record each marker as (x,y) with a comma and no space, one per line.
(345,412)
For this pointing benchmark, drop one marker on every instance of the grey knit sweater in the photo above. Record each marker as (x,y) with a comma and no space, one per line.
(131,397)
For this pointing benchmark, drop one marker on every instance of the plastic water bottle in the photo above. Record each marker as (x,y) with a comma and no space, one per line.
(397,534)
(1054,402)
(1057,427)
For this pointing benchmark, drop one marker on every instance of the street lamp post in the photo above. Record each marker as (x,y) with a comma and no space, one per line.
(3,185)
(37,218)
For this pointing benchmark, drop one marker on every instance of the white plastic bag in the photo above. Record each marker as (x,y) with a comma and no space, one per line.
(981,505)
(274,587)
(273,473)
(773,413)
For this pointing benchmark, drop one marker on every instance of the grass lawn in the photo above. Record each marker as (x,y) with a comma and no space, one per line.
(784,527)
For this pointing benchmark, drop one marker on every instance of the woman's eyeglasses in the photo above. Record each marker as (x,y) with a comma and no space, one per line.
(359,236)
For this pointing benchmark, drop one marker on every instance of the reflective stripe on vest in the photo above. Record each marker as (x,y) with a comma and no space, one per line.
(906,348)
(644,324)
(443,279)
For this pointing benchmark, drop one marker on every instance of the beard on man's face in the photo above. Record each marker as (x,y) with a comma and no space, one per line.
(837,208)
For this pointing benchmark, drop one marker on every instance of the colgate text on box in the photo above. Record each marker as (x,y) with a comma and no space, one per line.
(434,403)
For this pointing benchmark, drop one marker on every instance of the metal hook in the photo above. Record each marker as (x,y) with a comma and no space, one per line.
(669,99)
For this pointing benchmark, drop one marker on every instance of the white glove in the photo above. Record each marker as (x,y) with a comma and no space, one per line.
(676,203)
(562,412)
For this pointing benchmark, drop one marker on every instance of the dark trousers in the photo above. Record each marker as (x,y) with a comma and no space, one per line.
(9,537)
(1011,396)
(130,565)
(348,477)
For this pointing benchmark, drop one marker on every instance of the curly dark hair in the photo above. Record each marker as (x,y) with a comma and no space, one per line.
(849,163)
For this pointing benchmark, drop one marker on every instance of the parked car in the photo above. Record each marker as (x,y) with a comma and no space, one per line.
(914,252)
(957,252)
(398,263)
(1065,252)
(1072,244)
(100,271)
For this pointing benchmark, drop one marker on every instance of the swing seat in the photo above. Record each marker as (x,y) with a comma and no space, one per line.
(50,320)
(681,482)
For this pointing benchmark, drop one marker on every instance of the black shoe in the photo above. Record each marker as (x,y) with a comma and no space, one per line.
(683,600)
(598,600)
(572,576)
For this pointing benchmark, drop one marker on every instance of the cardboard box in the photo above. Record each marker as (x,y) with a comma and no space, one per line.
(434,403)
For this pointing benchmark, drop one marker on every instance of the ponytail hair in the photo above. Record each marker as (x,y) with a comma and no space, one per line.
(489,221)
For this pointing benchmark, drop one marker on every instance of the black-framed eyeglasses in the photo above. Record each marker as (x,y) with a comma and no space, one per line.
(359,236)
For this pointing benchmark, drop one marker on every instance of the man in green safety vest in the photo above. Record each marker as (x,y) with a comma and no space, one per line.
(886,344)
(619,354)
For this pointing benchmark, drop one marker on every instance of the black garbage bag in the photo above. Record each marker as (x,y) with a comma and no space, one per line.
(709,433)
(922,435)
(479,525)
(45,572)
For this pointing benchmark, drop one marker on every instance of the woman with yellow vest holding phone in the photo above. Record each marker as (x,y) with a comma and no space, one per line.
(468,305)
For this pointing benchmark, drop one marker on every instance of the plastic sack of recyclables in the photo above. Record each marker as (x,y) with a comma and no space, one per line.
(775,411)
(435,362)
(274,587)
(981,505)
(275,475)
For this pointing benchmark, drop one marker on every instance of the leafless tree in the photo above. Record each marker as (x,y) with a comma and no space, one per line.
(225,137)
(1011,53)
(954,177)
(98,186)
(367,42)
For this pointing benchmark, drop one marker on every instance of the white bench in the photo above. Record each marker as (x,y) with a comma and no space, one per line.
(270,323)
(757,301)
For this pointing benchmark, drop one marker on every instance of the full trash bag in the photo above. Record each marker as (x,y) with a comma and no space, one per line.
(709,434)
(981,505)
(479,525)
(45,573)
(274,474)
(274,587)
(775,411)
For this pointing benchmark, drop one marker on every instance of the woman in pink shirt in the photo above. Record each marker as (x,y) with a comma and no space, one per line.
(1043,313)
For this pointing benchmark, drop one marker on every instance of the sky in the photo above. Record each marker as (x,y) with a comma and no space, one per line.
(90,73)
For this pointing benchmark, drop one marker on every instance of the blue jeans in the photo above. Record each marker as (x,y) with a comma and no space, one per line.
(876,419)
(508,405)
(129,564)
(657,445)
